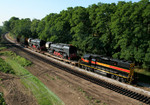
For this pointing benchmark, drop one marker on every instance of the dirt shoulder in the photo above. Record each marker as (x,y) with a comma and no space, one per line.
(14,91)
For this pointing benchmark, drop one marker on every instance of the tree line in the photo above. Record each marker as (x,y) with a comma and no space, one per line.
(1,30)
(119,30)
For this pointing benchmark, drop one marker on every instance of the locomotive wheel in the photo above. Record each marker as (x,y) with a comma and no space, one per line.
(50,52)
(113,76)
(53,52)
(92,70)
(83,67)
(109,75)
(86,68)
(80,66)
(117,78)
(65,56)
(123,80)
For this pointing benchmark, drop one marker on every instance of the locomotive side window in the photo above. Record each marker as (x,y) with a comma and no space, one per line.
(104,61)
(115,64)
(93,59)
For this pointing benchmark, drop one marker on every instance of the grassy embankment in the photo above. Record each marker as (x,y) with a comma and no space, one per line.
(15,64)
(4,67)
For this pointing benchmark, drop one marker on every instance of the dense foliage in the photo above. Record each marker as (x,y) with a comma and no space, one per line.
(119,30)
(0,30)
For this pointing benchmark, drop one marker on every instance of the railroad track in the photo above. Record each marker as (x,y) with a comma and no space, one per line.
(123,91)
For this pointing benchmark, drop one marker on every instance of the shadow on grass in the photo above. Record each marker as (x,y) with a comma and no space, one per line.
(142,78)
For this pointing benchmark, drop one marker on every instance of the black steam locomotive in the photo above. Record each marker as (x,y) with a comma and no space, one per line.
(62,50)
(37,44)
(117,69)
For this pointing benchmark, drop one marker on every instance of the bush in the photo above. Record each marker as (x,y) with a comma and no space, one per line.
(4,67)
(2,101)
(22,61)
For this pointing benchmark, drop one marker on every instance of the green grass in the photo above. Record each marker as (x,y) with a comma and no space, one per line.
(3,48)
(43,95)
(142,71)
(6,68)
(2,101)
(22,61)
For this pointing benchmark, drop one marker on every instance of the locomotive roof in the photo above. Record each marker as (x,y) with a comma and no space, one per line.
(36,39)
(117,60)
(106,58)
(61,45)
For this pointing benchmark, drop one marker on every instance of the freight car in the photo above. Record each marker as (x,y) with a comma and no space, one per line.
(37,44)
(117,69)
(62,50)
